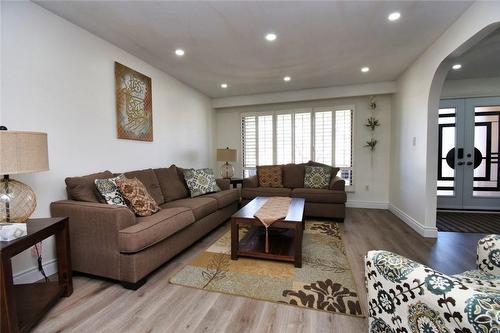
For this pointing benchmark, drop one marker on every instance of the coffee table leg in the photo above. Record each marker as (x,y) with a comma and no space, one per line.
(298,246)
(234,240)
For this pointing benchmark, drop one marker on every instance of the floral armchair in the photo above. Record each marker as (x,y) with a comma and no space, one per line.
(405,296)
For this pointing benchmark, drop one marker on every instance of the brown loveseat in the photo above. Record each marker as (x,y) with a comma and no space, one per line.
(110,241)
(328,203)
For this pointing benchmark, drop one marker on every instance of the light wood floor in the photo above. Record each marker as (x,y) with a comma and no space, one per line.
(102,306)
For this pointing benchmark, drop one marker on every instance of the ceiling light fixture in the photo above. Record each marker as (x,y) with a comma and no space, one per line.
(179,52)
(287,79)
(224,85)
(394,16)
(270,37)
(365,69)
(456,66)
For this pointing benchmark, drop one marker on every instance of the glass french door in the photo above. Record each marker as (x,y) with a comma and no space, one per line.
(468,167)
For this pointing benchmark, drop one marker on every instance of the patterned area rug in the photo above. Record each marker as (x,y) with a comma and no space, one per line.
(324,282)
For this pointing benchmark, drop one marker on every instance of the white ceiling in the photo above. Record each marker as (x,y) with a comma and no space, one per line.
(319,44)
(481,61)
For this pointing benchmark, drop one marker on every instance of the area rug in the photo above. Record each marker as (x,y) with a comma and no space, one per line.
(484,223)
(324,282)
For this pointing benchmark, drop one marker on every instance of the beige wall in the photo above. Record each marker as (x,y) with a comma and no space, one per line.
(375,176)
(61,81)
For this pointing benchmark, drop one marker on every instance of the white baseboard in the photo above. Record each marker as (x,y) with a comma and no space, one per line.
(367,204)
(414,224)
(32,274)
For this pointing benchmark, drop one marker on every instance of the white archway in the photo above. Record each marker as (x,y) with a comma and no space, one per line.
(416,102)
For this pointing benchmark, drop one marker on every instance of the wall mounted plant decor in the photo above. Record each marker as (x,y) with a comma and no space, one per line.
(372,123)
(371,144)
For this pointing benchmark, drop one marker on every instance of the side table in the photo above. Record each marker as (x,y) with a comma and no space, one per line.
(23,305)
(235,181)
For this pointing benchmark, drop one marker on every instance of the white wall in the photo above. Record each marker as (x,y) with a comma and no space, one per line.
(61,81)
(480,87)
(228,123)
(413,167)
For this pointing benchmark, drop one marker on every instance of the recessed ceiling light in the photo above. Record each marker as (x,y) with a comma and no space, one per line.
(179,52)
(456,66)
(224,85)
(271,37)
(394,16)
(365,69)
(287,78)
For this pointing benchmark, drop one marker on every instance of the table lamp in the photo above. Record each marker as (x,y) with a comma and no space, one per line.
(226,155)
(20,152)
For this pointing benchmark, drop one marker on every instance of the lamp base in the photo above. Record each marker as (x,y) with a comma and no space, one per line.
(17,201)
(227,170)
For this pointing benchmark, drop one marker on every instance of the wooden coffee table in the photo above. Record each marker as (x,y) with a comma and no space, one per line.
(285,236)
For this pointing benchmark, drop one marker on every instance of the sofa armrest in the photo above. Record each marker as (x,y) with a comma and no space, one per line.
(488,254)
(94,231)
(337,184)
(223,183)
(400,290)
(252,181)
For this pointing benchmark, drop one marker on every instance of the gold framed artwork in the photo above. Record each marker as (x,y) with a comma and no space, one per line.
(134,112)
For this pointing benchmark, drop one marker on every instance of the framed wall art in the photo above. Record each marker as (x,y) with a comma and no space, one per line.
(134,112)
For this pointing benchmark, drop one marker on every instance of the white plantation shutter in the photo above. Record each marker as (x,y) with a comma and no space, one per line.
(343,144)
(249,144)
(265,140)
(323,135)
(284,139)
(323,145)
(302,129)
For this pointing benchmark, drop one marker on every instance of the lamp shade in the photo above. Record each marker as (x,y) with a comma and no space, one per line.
(226,155)
(23,152)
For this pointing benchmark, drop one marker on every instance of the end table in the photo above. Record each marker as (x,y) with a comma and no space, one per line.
(235,181)
(23,305)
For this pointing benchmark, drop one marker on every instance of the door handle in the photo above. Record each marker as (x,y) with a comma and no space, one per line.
(469,163)
(460,163)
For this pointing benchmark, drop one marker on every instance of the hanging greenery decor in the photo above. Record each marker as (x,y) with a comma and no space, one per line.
(372,123)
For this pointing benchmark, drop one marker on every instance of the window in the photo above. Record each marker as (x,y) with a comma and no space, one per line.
(323,135)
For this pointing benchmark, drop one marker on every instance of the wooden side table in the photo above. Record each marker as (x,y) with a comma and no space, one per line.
(235,181)
(23,305)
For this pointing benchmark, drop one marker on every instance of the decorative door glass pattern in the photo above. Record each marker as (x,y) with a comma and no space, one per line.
(446,152)
(486,146)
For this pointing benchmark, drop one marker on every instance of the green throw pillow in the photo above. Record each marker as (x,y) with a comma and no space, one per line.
(109,191)
(200,181)
(317,177)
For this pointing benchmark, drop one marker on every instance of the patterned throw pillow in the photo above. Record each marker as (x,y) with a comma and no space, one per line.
(200,181)
(109,191)
(270,176)
(137,197)
(317,177)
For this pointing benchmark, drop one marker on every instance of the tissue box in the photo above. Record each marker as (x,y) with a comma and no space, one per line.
(11,231)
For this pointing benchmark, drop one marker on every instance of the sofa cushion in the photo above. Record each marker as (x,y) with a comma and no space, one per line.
(201,206)
(270,176)
(293,175)
(149,179)
(152,229)
(172,184)
(319,195)
(137,197)
(200,181)
(252,192)
(317,177)
(225,198)
(83,188)
(109,190)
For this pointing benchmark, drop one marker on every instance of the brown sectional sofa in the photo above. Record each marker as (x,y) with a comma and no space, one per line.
(329,203)
(110,241)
